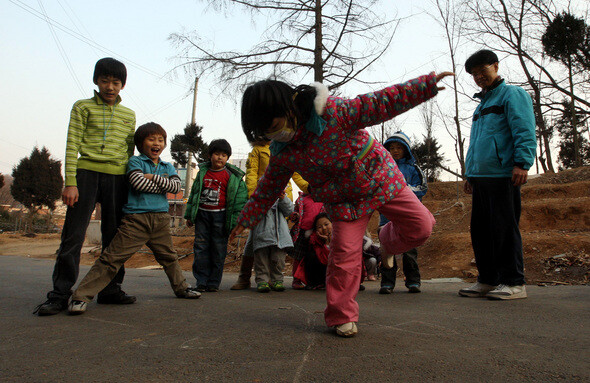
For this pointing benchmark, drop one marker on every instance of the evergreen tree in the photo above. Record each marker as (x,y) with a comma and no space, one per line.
(428,156)
(37,181)
(567,152)
(189,142)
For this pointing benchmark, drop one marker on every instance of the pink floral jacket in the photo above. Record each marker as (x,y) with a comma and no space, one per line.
(347,170)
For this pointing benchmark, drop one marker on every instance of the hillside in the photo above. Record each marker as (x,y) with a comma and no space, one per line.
(555,226)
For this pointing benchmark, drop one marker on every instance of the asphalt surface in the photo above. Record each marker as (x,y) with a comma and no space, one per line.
(245,336)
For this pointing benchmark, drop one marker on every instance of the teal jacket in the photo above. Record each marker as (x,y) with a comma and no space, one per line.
(502,133)
(235,198)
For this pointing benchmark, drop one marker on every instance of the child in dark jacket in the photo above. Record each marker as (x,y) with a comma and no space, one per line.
(217,197)
(399,148)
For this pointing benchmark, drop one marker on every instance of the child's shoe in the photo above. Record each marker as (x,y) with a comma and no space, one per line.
(386,290)
(201,288)
(362,288)
(51,307)
(507,292)
(414,288)
(277,286)
(212,289)
(297,285)
(188,293)
(241,284)
(347,330)
(263,287)
(120,298)
(77,307)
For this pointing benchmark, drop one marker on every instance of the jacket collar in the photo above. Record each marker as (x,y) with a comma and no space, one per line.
(143,157)
(498,83)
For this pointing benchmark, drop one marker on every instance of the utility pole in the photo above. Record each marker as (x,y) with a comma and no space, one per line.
(189,164)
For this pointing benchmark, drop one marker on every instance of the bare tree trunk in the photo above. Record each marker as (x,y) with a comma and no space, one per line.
(318,65)
(577,159)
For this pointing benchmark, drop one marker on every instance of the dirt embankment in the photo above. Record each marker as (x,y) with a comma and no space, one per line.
(555,226)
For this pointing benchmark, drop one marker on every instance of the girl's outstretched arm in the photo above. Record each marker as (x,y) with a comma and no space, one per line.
(376,107)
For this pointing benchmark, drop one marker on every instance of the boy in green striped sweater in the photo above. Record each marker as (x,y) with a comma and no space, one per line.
(99,144)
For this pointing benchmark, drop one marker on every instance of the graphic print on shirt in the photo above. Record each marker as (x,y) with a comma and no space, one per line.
(214,189)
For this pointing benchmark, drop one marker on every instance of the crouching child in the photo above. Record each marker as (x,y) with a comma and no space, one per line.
(146,221)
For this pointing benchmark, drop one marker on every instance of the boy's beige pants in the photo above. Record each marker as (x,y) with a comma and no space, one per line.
(136,230)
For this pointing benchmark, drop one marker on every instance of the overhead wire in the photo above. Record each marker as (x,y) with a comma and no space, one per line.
(92,43)
(61,50)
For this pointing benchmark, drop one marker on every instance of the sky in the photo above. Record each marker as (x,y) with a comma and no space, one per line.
(45,70)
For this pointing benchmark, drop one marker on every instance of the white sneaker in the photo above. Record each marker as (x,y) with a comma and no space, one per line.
(347,330)
(507,292)
(77,307)
(476,290)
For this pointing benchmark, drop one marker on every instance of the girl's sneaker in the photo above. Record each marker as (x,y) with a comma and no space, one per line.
(277,286)
(347,330)
(263,287)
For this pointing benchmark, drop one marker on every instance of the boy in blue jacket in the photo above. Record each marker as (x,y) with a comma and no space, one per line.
(399,148)
(502,149)
(146,221)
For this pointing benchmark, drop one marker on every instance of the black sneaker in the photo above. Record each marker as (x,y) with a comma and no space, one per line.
(51,307)
(212,289)
(119,298)
(201,288)
(386,290)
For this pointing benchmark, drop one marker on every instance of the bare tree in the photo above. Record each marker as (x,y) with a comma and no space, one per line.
(450,16)
(335,39)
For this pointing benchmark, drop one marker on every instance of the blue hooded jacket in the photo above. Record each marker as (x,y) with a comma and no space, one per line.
(407,165)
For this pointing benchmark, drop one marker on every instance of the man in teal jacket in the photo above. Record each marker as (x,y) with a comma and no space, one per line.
(502,149)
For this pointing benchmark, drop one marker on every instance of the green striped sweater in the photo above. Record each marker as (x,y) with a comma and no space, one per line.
(97,141)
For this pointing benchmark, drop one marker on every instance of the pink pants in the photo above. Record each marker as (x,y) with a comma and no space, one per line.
(410,226)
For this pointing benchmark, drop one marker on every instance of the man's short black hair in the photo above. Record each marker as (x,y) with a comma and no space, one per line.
(482,57)
(108,66)
(220,145)
(146,130)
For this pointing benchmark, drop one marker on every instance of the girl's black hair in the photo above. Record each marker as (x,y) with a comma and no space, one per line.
(108,66)
(318,217)
(220,145)
(146,130)
(266,100)
(482,57)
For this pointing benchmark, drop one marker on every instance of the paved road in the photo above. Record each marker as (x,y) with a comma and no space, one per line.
(245,336)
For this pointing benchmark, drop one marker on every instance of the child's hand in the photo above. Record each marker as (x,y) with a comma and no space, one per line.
(149,176)
(327,237)
(70,195)
(235,232)
(189,223)
(440,76)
